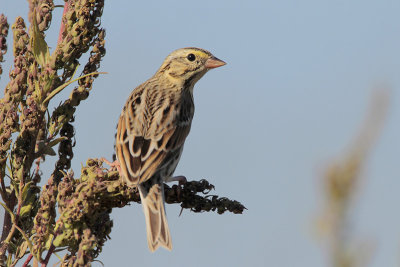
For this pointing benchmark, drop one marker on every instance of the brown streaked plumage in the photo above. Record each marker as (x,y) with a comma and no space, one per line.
(152,129)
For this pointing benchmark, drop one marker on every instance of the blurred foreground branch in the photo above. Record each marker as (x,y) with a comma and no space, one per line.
(342,179)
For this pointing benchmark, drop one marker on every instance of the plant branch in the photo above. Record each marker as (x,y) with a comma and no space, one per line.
(49,253)
(85,205)
(27,260)
(8,230)
(62,27)
(14,221)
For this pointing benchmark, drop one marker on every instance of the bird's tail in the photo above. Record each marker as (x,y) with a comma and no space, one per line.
(156,220)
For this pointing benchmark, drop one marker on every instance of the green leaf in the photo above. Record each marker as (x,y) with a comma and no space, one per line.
(26,190)
(49,241)
(39,46)
(61,87)
(8,210)
(58,241)
(58,256)
(38,91)
(9,258)
(43,149)
(25,210)
(22,249)
(49,151)
(9,167)
(56,141)
(20,177)
(25,237)
(29,202)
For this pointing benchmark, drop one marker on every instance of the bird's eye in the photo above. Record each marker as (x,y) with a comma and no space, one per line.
(191,57)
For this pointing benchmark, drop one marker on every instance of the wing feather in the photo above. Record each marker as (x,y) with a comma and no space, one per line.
(141,154)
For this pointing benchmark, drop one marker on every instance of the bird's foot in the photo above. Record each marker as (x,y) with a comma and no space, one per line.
(113,165)
(181,179)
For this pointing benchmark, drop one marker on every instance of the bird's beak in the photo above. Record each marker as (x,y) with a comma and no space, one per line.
(214,62)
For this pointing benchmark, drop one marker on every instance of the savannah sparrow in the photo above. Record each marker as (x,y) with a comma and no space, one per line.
(152,129)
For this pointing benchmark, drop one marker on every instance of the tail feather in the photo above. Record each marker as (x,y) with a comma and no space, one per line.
(156,220)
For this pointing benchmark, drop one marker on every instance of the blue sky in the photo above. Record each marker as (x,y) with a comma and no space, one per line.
(293,95)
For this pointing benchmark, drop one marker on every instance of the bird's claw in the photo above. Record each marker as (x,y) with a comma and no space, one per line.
(180,179)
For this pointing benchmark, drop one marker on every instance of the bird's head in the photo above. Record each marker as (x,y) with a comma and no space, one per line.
(188,65)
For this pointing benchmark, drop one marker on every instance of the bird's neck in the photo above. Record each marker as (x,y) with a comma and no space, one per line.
(178,84)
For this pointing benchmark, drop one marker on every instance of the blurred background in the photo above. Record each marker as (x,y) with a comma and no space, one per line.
(290,102)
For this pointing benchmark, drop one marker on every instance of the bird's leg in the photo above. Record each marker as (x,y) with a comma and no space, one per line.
(181,179)
(113,165)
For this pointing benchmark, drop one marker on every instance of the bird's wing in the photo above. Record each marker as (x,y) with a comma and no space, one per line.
(141,154)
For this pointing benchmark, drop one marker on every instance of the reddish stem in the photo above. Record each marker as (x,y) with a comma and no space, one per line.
(27,260)
(62,27)
(46,260)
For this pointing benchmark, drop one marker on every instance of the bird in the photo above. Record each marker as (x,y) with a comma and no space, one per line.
(152,130)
